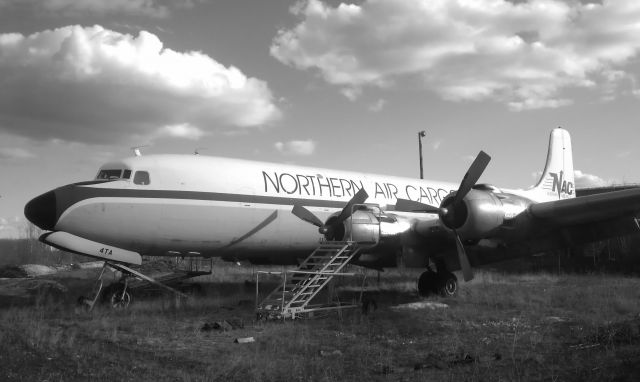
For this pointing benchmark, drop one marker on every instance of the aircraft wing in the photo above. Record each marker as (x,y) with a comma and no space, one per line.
(548,225)
(588,209)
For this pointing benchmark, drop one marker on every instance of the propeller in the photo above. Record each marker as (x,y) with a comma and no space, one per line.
(328,228)
(306,215)
(360,197)
(467,273)
(450,213)
(447,212)
(471,177)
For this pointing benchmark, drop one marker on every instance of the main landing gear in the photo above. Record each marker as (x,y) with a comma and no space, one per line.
(442,282)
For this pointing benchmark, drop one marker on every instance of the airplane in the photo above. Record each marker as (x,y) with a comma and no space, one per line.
(268,213)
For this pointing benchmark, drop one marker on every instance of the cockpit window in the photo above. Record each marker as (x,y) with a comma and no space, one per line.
(109,174)
(141,177)
(127,174)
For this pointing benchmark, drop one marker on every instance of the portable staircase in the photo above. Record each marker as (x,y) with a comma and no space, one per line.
(292,299)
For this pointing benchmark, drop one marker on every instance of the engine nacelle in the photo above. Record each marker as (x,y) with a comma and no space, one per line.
(363,227)
(368,226)
(484,209)
(479,214)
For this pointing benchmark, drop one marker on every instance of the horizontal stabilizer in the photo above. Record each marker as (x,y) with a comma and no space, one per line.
(81,246)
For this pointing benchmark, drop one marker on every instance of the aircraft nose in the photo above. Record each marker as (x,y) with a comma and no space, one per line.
(41,211)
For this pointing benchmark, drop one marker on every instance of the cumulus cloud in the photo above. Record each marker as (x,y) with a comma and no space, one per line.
(584,180)
(351,93)
(148,8)
(624,153)
(183,130)
(306,147)
(14,153)
(138,7)
(520,53)
(468,158)
(94,85)
(377,106)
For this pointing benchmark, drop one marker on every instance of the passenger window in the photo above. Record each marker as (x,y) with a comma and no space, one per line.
(141,177)
(127,174)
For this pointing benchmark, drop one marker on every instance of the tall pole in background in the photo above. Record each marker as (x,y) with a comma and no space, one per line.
(420,135)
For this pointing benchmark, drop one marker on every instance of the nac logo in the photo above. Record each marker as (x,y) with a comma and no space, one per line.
(558,184)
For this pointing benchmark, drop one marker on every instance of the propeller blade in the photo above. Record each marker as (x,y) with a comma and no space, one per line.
(306,215)
(359,198)
(405,205)
(471,177)
(464,260)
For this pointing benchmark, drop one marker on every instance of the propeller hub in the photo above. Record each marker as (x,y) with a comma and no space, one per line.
(453,214)
(333,229)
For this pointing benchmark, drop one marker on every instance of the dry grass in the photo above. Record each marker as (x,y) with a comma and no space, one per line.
(500,327)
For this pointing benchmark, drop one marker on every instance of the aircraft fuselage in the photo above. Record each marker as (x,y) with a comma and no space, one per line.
(178,205)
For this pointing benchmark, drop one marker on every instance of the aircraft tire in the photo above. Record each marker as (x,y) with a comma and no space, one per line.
(448,284)
(427,283)
(119,299)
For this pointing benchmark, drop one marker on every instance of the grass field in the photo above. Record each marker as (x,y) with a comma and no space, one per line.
(500,327)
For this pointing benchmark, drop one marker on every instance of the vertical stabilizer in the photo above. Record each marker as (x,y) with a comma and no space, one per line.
(557,180)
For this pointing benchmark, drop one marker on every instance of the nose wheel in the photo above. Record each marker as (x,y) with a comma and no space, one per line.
(443,283)
(119,297)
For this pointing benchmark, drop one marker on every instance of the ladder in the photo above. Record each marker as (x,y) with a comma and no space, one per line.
(292,298)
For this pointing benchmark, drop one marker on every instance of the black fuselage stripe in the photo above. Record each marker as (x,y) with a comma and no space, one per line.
(69,195)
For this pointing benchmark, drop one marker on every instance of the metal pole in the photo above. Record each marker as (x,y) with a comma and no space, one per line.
(420,135)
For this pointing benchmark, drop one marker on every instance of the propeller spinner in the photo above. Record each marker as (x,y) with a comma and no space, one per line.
(451,211)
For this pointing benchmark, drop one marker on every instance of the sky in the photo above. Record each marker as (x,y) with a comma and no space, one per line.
(317,83)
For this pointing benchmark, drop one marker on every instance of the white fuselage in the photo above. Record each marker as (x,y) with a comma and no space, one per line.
(208,206)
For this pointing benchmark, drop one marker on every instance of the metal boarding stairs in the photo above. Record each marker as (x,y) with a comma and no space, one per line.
(292,299)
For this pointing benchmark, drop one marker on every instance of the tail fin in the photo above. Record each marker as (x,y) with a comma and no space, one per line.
(557,180)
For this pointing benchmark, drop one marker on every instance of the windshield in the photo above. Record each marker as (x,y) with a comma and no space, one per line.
(113,174)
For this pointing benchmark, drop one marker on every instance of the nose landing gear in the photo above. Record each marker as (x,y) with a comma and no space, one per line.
(118,296)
